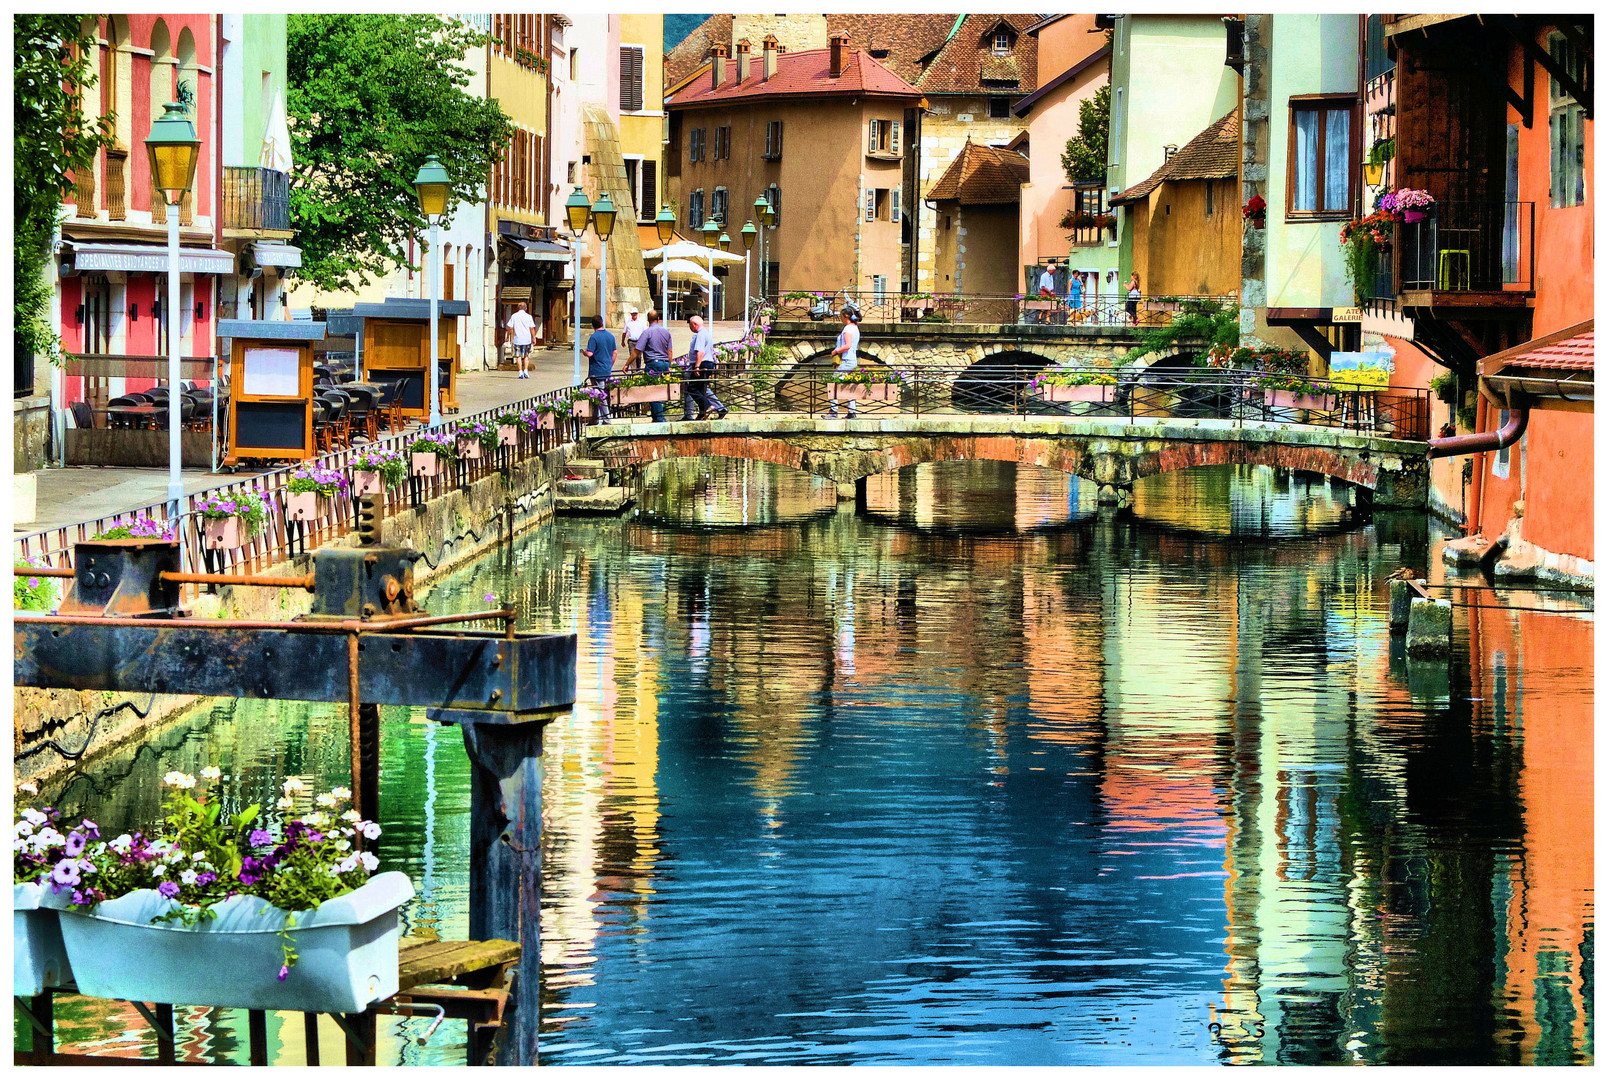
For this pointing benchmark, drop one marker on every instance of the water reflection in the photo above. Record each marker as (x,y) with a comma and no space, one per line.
(843,791)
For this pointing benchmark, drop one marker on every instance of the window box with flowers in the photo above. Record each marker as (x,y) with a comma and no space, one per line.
(1296,392)
(1255,211)
(1074,384)
(222,910)
(584,400)
(1412,204)
(311,491)
(644,388)
(38,957)
(508,429)
(428,451)
(375,469)
(1361,242)
(230,519)
(473,438)
(866,384)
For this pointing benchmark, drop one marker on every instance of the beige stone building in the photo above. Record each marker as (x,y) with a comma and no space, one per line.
(977,203)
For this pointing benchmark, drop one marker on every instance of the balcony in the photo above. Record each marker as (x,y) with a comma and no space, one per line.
(116,187)
(1468,255)
(256,202)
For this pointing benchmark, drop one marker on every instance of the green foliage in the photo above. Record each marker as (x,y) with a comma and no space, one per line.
(1073,377)
(33,593)
(1362,262)
(371,96)
(1215,322)
(1466,417)
(1445,386)
(51,70)
(1085,153)
(867,376)
(1382,151)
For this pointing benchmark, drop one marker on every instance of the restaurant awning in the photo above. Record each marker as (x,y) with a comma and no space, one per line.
(151,258)
(276,254)
(542,250)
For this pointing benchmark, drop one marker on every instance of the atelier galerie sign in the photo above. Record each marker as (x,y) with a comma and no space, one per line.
(271,372)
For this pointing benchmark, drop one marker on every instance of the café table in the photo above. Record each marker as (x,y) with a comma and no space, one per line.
(134,416)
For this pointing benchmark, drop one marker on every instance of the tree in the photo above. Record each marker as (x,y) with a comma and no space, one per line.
(371,96)
(51,70)
(1085,153)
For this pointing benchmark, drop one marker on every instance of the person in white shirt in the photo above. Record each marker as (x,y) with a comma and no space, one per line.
(1046,288)
(521,326)
(634,325)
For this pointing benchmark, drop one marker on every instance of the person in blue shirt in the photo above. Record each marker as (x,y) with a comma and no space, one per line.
(599,351)
(699,390)
(1074,295)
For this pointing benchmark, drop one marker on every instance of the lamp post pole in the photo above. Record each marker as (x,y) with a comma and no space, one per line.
(577,211)
(665,222)
(432,185)
(174,151)
(748,245)
(575,306)
(603,224)
(710,231)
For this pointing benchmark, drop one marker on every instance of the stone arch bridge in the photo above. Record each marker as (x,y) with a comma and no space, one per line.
(1113,453)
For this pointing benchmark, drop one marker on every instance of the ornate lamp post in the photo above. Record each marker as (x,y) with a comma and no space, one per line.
(433,185)
(761,205)
(748,243)
(710,230)
(174,151)
(603,222)
(577,209)
(666,224)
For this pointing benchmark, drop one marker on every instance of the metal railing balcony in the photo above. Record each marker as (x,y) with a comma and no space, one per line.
(1469,248)
(256,199)
(1103,309)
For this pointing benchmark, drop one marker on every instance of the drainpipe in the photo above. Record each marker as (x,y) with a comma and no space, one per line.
(1483,441)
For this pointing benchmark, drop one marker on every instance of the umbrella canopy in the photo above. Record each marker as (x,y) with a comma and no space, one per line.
(686,268)
(685,249)
(276,140)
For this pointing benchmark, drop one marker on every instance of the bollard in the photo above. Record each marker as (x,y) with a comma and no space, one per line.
(1401,599)
(1429,629)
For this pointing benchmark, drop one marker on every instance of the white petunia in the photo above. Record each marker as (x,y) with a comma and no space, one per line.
(211,772)
(369,829)
(19,844)
(343,845)
(34,817)
(318,819)
(326,800)
(347,865)
(189,877)
(158,870)
(341,793)
(47,837)
(27,787)
(294,784)
(179,780)
(351,815)
(122,843)
(25,829)
(284,803)
(370,862)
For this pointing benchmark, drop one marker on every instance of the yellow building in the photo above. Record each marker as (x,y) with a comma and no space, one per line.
(641,117)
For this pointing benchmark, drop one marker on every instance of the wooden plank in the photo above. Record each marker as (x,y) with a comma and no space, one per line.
(1408,23)
(438,961)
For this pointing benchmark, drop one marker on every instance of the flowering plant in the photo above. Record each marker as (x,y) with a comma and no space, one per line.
(867,376)
(1407,199)
(512,419)
(477,431)
(1297,384)
(1060,376)
(1255,209)
(33,593)
(200,856)
(377,459)
(1244,356)
(552,407)
(136,529)
(249,506)
(592,395)
(646,378)
(434,442)
(325,482)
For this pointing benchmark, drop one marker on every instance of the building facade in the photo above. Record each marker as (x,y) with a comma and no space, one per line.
(977,204)
(642,124)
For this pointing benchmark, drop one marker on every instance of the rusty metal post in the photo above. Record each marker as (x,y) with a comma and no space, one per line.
(368,744)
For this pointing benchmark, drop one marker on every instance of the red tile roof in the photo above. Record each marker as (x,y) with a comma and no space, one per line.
(967,59)
(804,73)
(981,174)
(905,38)
(1569,349)
(1214,154)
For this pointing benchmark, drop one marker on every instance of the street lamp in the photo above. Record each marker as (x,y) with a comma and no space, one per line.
(603,221)
(433,185)
(748,243)
(711,229)
(174,151)
(761,205)
(577,208)
(666,224)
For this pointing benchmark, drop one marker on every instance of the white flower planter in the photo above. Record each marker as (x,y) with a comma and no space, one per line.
(507,435)
(469,448)
(305,506)
(38,957)
(426,464)
(1289,399)
(365,482)
(622,396)
(347,949)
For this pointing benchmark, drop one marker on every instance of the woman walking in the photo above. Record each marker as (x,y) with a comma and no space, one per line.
(848,343)
(1133,298)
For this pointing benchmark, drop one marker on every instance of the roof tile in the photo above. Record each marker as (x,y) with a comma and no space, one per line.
(1214,154)
(806,72)
(967,58)
(982,174)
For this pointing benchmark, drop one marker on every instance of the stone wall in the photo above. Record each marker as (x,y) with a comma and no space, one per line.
(56,730)
(30,432)
(911,346)
(627,278)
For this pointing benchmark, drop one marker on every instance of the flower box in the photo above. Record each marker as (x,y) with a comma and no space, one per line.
(582,409)
(1413,215)
(305,505)
(1088,392)
(347,950)
(425,464)
(888,392)
(544,421)
(507,435)
(1290,399)
(38,957)
(621,396)
(222,532)
(367,483)
(468,447)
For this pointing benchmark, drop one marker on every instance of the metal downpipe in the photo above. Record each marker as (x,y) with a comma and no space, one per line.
(1482,441)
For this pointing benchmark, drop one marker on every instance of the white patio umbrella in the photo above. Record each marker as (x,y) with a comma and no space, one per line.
(685,249)
(688,269)
(276,140)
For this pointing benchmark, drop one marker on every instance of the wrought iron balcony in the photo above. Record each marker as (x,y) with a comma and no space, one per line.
(1468,254)
(256,199)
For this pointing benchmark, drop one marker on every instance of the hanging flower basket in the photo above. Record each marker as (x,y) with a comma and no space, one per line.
(38,957)
(507,435)
(229,519)
(347,951)
(426,464)
(221,533)
(305,506)
(578,408)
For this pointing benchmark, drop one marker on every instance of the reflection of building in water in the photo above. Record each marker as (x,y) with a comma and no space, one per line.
(988,495)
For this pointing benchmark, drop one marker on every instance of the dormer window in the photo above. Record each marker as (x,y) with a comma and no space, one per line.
(1003,40)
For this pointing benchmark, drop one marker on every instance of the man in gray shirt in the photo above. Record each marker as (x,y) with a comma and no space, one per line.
(701,374)
(655,346)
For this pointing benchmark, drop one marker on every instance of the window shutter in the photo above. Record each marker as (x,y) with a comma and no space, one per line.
(770,134)
(871,137)
(650,189)
(778,138)
(625,80)
(870,204)
(896,193)
(893,140)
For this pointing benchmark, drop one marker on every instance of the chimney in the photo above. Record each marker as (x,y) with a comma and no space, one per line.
(768,57)
(1167,151)
(840,46)
(717,66)
(743,49)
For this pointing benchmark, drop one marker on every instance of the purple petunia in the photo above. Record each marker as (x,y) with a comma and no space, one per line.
(260,838)
(284,972)
(206,878)
(75,844)
(169,889)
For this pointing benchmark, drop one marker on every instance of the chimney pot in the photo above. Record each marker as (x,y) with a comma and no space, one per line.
(717,66)
(768,57)
(743,49)
(840,42)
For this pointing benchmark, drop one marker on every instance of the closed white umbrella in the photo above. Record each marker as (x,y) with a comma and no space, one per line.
(688,250)
(687,269)
(276,140)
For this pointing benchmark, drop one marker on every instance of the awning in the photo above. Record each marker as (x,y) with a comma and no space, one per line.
(542,250)
(151,258)
(1555,371)
(276,255)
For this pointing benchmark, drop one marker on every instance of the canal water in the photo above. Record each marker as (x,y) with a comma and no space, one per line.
(983,774)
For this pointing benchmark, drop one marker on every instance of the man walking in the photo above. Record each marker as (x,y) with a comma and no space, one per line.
(848,343)
(521,326)
(634,325)
(600,362)
(1046,289)
(701,374)
(656,347)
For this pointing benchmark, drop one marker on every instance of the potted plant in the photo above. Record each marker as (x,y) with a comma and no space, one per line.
(584,399)
(473,438)
(641,388)
(508,428)
(310,490)
(428,450)
(1361,241)
(39,850)
(224,911)
(1414,204)
(866,384)
(376,469)
(1073,384)
(1077,219)
(543,415)
(32,593)
(1255,211)
(229,520)
(1295,392)
(1105,221)
(136,529)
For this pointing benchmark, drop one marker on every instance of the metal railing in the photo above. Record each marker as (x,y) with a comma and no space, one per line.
(1469,247)
(1103,309)
(807,390)
(255,198)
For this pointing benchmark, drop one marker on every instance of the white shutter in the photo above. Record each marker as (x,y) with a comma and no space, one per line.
(893,140)
(870,204)
(871,137)
(896,192)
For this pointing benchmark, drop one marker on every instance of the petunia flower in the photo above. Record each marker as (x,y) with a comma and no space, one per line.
(75,844)
(284,972)
(65,873)
(211,772)
(168,889)
(260,838)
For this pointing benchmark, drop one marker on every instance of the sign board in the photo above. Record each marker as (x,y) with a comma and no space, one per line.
(271,399)
(1346,315)
(270,371)
(141,258)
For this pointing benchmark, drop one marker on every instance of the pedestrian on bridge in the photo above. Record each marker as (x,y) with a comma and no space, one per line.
(1133,298)
(1074,295)
(848,344)
(635,324)
(600,349)
(701,374)
(656,348)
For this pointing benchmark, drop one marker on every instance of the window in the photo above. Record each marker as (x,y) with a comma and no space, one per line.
(773,195)
(695,209)
(97,315)
(1319,173)
(1568,127)
(633,173)
(870,204)
(569,172)
(717,205)
(650,191)
(1002,42)
(999,108)
(773,140)
(895,213)
(882,137)
(879,287)
(1499,464)
(697,148)
(723,143)
(575,65)
(631,78)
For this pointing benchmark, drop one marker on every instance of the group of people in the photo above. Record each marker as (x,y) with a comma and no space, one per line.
(650,349)
(1074,292)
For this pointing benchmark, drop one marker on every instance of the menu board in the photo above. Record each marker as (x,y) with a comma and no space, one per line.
(269,371)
